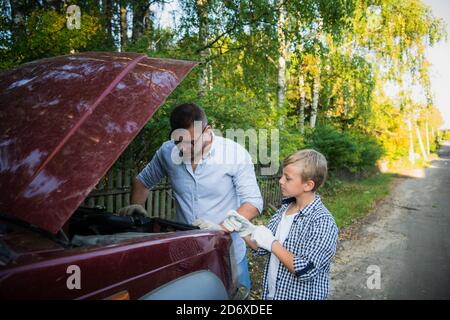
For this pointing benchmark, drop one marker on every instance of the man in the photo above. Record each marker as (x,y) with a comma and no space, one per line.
(210,176)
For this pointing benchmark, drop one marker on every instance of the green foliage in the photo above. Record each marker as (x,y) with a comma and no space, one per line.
(290,142)
(350,149)
(46,35)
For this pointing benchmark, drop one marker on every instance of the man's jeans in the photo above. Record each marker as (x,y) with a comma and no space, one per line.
(244,276)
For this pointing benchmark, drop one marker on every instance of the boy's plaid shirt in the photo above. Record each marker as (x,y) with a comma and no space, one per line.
(312,239)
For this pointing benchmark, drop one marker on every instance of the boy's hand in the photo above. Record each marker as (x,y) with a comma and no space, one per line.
(236,222)
(263,237)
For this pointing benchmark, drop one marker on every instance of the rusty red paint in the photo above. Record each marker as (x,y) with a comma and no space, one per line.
(65,120)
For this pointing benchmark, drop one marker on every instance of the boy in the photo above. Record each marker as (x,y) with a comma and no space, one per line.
(300,238)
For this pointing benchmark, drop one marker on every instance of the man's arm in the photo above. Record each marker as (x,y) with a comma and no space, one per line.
(139,193)
(145,180)
(248,211)
(247,189)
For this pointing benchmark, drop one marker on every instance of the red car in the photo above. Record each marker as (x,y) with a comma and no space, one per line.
(64,121)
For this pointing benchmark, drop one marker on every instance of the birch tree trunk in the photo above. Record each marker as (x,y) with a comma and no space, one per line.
(411,142)
(148,26)
(316,85)
(282,51)
(202,12)
(210,73)
(302,102)
(315,100)
(123,27)
(427,137)
(419,138)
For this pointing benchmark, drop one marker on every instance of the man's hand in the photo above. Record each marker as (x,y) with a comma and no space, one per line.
(131,210)
(206,224)
(263,237)
(237,222)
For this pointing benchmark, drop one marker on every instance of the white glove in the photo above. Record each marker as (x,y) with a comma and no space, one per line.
(133,209)
(236,222)
(263,237)
(206,224)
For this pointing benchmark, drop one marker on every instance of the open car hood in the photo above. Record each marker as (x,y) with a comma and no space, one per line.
(64,121)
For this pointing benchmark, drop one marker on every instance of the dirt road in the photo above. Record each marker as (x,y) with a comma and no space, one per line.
(405,241)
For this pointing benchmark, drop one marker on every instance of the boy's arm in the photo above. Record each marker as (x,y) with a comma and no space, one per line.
(285,256)
(250,243)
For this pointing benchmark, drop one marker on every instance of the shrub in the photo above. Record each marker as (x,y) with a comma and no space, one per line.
(348,150)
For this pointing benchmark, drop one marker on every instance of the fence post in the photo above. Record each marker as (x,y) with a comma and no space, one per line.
(119,185)
(149,204)
(127,184)
(110,198)
(100,187)
(156,204)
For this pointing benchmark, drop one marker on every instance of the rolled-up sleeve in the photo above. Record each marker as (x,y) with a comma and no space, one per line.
(319,249)
(259,252)
(246,185)
(153,172)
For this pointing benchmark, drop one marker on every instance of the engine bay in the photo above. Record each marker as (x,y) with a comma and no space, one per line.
(97,221)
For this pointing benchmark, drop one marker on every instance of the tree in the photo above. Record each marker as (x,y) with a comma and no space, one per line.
(282,52)
(203,38)
(123,25)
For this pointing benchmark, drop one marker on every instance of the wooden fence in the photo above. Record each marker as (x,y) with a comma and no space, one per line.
(114,192)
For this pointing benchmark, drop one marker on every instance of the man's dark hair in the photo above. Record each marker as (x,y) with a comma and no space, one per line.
(184,115)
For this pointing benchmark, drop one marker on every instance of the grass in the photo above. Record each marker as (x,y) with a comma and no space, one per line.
(351,200)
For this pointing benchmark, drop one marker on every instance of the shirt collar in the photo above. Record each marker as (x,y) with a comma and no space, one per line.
(212,150)
(306,210)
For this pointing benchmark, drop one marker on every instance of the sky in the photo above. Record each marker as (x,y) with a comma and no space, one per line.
(439,57)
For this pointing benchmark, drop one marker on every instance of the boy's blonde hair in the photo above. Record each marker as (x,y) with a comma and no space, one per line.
(312,165)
